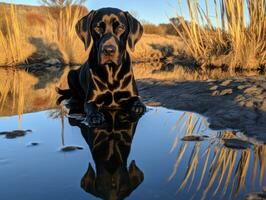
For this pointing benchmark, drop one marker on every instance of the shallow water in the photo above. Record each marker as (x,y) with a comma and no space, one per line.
(146,158)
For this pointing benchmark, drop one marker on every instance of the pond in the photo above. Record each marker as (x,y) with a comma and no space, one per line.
(166,154)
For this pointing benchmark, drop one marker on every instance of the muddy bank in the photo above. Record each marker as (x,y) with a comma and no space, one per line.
(235,103)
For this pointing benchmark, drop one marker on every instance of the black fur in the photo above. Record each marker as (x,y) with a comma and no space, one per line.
(106,79)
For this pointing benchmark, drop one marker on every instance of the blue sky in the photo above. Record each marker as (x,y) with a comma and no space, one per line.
(155,11)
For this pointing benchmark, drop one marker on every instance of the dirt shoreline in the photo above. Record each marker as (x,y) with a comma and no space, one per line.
(232,103)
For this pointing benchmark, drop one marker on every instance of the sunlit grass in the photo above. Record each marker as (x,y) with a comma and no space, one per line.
(11,37)
(228,39)
(50,33)
(69,14)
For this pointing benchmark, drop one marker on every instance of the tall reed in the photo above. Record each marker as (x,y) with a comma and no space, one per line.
(231,38)
(11,37)
(69,14)
(44,32)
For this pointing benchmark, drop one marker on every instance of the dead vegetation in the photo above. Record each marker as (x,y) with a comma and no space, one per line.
(37,34)
(231,39)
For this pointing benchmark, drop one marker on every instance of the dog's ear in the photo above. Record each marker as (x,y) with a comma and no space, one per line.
(88,181)
(135,31)
(83,29)
(136,176)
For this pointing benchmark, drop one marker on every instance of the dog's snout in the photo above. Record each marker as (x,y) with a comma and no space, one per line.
(109,50)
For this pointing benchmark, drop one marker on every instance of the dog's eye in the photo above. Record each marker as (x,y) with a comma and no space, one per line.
(100,27)
(118,27)
(121,28)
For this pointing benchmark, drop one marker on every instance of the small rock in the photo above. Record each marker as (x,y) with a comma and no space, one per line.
(15,133)
(241,87)
(153,103)
(226,83)
(253,90)
(71,148)
(4,133)
(240,98)
(33,143)
(226,92)
(52,61)
(193,138)
(235,143)
(263,105)
(214,87)
(249,104)
(216,93)
(256,196)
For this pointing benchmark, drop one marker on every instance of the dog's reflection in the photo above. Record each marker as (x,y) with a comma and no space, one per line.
(110,146)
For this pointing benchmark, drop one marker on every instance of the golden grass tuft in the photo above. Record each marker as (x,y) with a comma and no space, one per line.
(10,37)
(36,34)
(228,39)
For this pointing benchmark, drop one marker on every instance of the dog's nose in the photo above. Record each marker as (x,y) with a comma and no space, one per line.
(109,50)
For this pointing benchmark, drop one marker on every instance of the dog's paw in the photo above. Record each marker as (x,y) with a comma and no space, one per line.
(138,108)
(95,118)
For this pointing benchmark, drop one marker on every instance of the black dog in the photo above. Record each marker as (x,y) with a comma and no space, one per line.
(110,145)
(106,80)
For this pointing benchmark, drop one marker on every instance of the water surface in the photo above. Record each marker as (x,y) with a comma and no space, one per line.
(142,158)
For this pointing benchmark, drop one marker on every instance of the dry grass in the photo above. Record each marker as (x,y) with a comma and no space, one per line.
(223,168)
(161,29)
(10,38)
(42,33)
(237,43)
(152,47)
(35,34)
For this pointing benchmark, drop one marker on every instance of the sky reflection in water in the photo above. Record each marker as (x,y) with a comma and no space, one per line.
(142,158)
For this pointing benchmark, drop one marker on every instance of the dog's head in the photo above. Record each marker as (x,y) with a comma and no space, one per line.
(116,186)
(110,30)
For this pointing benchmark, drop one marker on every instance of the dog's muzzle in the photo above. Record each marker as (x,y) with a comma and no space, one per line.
(109,52)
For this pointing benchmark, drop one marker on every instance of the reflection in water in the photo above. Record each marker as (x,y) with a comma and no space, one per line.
(221,165)
(225,169)
(110,146)
(179,71)
(24,92)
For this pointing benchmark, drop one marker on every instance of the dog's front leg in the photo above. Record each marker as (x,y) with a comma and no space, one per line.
(135,106)
(94,116)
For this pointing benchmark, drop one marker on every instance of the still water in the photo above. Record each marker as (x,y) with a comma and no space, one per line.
(60,157)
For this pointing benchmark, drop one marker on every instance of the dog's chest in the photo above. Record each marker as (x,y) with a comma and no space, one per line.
(111,90)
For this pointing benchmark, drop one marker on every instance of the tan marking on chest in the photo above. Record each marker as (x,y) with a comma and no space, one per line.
(112,76)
